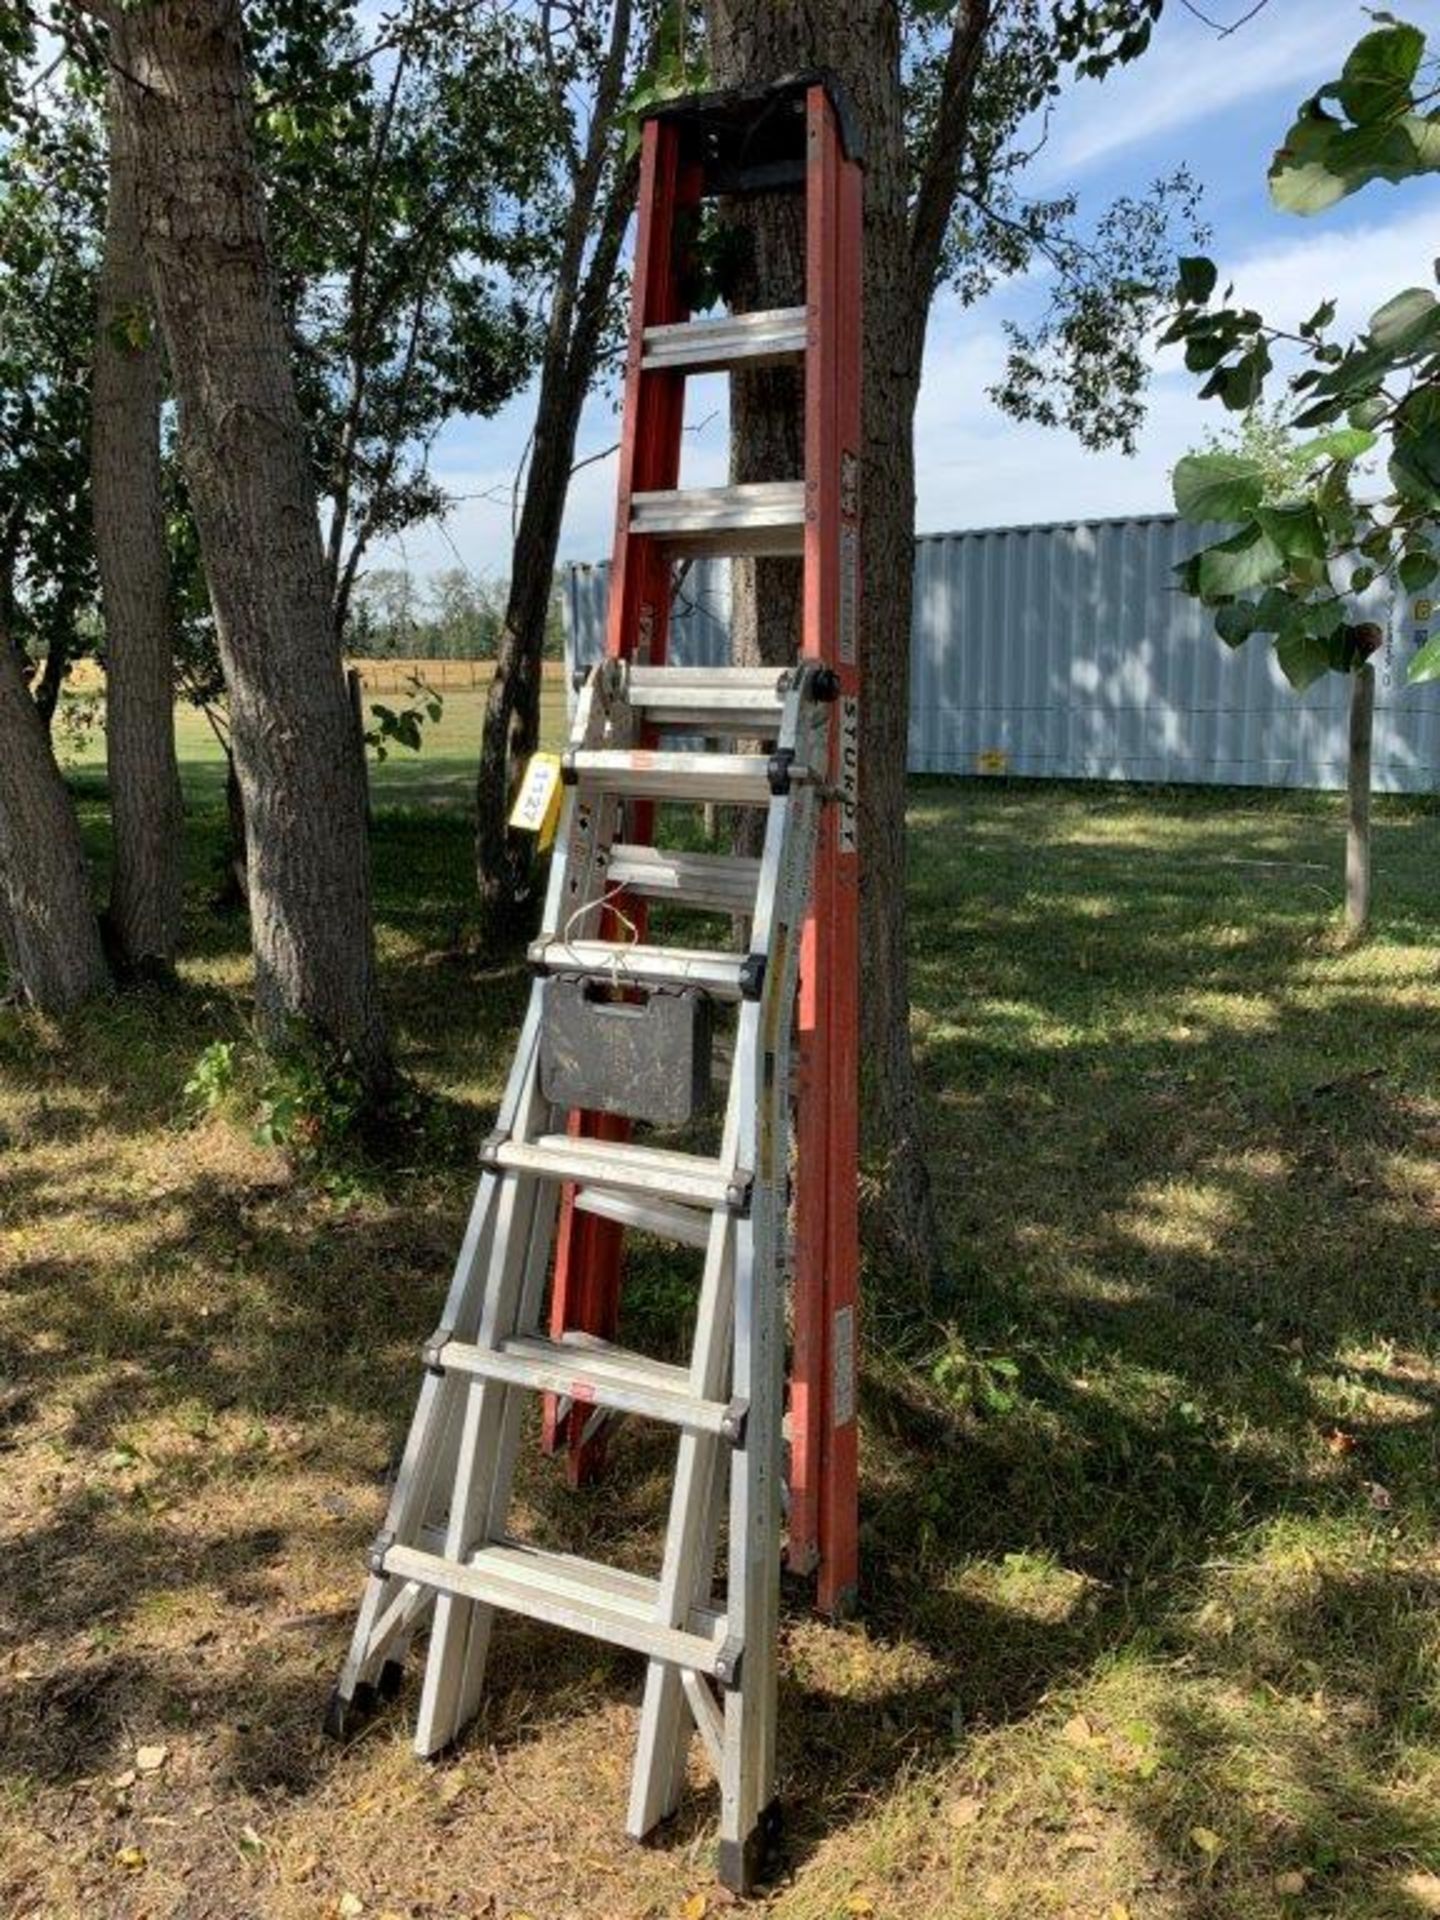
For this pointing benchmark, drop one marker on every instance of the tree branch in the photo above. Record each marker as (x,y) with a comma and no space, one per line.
(940,174)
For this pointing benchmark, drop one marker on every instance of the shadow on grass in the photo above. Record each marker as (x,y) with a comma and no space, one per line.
(1187,1151)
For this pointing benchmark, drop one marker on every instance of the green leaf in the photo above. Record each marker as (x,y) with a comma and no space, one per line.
(1423,133)
(1296,531)
(1417,570)
(1415,465)
(1377,78)
(1369,413)
(1426,664)
(1249,559)
(1405,321)
(1236,622)
(1302,657)
(1346,443)
(1217,486)
(1197,278)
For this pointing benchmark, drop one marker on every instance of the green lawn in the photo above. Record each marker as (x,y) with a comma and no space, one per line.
(1150,1619)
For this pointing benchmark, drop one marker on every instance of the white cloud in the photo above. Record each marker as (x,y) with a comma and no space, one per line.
(1191,74)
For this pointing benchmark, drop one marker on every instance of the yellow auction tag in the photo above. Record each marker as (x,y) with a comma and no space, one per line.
(537,804)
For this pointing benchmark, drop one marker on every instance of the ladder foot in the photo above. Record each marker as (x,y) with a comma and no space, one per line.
(745,1863)
(344,1716)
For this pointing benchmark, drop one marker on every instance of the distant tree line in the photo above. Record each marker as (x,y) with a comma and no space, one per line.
(450,615)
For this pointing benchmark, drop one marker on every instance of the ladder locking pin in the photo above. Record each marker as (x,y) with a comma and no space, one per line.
(490,1149)
(752,976)
(779,771)
(375,1559)
(432,1353)
(732,1427)
(737,1194)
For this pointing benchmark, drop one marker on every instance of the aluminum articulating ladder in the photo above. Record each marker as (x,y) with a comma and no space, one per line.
(622,1043)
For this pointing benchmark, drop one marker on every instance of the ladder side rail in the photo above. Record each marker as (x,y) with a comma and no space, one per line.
(839,1461)
(585,1295)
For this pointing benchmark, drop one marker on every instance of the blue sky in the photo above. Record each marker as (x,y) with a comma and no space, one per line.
(1219,105)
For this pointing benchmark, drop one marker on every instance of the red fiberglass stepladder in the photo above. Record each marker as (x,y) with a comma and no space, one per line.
(618,1052)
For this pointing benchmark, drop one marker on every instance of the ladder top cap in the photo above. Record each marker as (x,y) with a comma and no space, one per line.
(752,139)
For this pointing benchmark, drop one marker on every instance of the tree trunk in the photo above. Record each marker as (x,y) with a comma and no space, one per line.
(752,43)
(47,920)
(1357,819)
(185,102)
(143,921)
(511,728)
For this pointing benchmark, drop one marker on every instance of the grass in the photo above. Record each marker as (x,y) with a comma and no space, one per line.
(1150,1623)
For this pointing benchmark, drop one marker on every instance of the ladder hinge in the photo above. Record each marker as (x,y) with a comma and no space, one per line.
(752,976)
(375,1559)
(732,1427)
(728,1663)
(779,771)
(737,1194)
(569,774)
(433,1352)
(535,956)
(490,1149)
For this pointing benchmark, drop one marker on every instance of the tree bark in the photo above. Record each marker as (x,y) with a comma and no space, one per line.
(47,920)
(511,729)
(185,103)
(143,921)
(1357,818)
(751,43)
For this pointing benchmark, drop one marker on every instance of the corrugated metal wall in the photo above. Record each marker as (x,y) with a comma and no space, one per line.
(1067,652)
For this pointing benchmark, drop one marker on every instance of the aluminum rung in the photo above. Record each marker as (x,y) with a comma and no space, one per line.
(740,700)
(771,338)
(759,517)
(720,974)
(682,1224)
(579,1595)
(687,1177)
(716,882)
(592,1373)
(741,779)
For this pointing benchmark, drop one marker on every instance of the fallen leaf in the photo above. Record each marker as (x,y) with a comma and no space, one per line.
(1290,1883)
(861,1904)
(1423,1889)
(131,1858)
(350,1906)
(1080,1843)
(151,1759)
(124,1780)
(695,1907)
(1118,1911)
(251,1839)
(1338,1441)
(1207,1840)
(965,1811)
(1078,1731)
(1379,1497)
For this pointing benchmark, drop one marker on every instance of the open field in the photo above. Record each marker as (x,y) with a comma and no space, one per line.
(1150,1623)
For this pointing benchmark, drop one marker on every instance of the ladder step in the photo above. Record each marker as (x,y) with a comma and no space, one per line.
(592,1373)
(760,517)
(740,779)
(582,1596)
(772,338)
(722,974)
(688,1178)
(683,1224)
(717,882)
(735,700)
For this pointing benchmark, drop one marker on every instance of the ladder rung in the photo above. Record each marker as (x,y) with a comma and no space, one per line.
(687,1177)
(742,779)
(761,516)
(580,1595)
(683,1224)
(720,974)
(771,338)
(718,882)
(737,700)
(592,1374)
